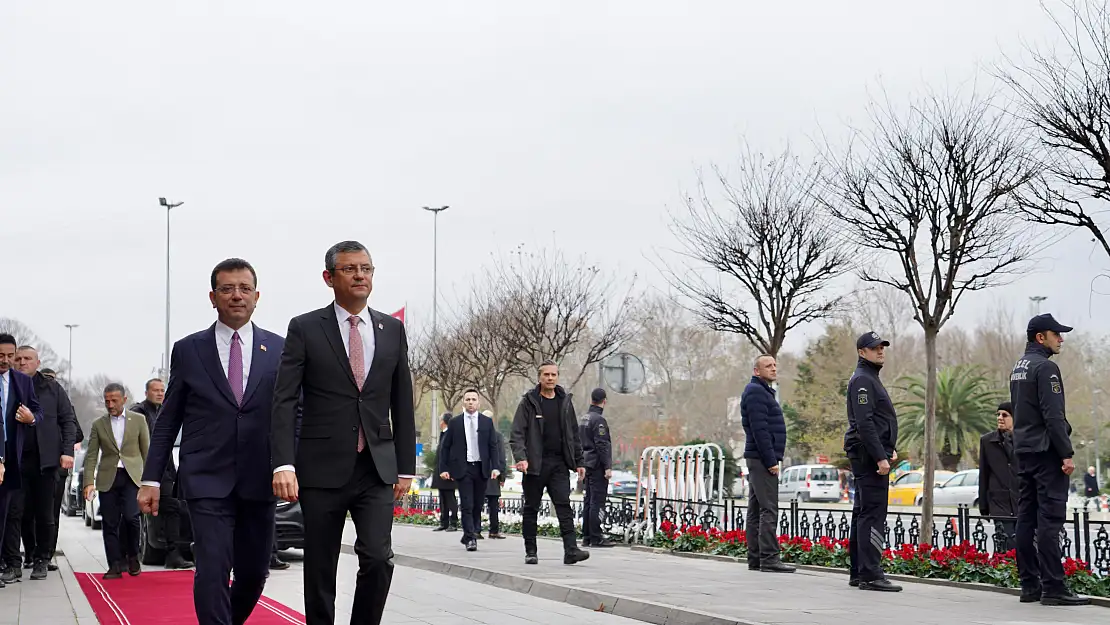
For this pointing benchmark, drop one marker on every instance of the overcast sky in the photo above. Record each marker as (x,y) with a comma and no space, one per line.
(287,126)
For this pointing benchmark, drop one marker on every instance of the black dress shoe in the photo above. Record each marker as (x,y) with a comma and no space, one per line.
(453,528)
(472,545)
(753,565)
(530,558)
(1063,598)
(174,561)
(115,571)
(277,564)
(497,536)
(133,567)
(605,543)
(880,585)
(854,583)
(440,529)
(1030,596)
(777,567)
(576,555)
(39,570)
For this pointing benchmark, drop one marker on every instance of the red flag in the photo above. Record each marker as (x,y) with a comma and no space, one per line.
(400,314)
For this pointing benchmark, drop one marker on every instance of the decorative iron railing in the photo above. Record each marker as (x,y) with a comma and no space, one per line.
(1081,537)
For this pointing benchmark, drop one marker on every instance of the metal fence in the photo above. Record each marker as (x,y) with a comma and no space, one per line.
(1081,537)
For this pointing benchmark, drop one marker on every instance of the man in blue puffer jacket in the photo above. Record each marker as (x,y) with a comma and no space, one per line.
(765,430)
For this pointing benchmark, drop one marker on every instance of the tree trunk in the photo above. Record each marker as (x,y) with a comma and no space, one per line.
(930,433)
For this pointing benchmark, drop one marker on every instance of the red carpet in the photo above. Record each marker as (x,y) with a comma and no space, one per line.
(164,597)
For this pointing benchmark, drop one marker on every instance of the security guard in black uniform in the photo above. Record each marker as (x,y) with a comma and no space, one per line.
(1044,457)
(597,455)
(869,442)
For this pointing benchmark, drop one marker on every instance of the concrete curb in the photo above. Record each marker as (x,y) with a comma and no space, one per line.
(637,609)
(81,607)
(1099,601)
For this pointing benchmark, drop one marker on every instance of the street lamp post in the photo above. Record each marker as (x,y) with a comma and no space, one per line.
(1035,304)
(69,377)
(435,210)
(166,356)
(1098,426)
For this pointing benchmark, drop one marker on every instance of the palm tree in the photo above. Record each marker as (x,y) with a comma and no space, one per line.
(966,406)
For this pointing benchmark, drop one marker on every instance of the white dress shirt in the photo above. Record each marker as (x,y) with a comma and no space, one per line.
(5,398)
(223,347)
(473,452)
(119,425)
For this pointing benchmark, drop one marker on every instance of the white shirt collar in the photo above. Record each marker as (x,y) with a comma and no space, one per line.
(342,314)
(121,415)
(246,334)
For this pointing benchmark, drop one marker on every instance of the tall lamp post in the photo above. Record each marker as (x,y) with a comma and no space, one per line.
(166,356)
(1035,304)
(69,377)
(435,210)
(1098,426)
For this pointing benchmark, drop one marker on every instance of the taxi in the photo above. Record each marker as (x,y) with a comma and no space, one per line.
(907,488)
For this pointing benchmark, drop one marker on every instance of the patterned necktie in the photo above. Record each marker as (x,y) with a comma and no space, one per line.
(235,369)
(358,368)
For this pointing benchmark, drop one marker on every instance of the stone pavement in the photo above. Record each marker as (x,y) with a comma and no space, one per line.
(661,588)
(56,600)
(416,597)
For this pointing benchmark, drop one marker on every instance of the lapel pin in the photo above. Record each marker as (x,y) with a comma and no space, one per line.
(381,327)
(262,347)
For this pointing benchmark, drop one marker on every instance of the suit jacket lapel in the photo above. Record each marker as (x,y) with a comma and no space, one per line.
(110,435)
(210,360)
(335,339)
(260,363)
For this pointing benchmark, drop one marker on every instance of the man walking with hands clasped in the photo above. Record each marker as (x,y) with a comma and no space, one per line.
(765,433)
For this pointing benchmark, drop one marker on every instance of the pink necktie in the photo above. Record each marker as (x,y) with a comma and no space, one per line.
(354,354)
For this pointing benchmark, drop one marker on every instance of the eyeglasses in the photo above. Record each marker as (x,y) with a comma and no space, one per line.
(228,289)
(350,270)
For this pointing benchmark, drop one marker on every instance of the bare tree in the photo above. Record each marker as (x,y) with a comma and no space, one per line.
(25,336)
(546,307)
(934,191)
(768,245)
(1066,100)
(442,368)
(484,349)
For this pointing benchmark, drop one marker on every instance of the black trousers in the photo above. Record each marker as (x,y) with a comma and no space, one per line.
(472,495)
(1004,536)
(763,513)
(370,503)
(1042,508)
(448,508)
(554,476)
(59,494)
(169,509)
(230,534)
(867,538)
(593,504)
(493,503)
(31,514)
(119,513)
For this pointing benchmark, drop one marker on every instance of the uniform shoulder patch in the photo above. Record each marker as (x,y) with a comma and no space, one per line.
(1055,384)
(861,395)
(602,429)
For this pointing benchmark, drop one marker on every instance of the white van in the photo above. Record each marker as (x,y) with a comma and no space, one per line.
(810,482)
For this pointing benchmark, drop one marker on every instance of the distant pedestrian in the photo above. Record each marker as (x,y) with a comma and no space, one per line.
(597,455)
(448,503)
(1090,483)
(1042,446)
(869,442)
(998,481)
(765,434)
(467,456)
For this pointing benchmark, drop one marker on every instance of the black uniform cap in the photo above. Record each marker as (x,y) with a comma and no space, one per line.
(870,339)
(1007,406)
(598,395)
(1046,323)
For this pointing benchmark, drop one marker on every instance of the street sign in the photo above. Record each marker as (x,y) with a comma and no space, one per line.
(623,373)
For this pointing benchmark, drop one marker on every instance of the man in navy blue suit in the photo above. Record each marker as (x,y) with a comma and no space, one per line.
(219,397)
(469,456)
(19,410)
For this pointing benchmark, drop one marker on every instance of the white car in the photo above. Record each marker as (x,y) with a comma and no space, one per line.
(810,482)
(961,488)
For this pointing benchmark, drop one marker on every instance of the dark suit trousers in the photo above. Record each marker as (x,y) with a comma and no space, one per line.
(555,477)
(370,502)
(448,508)
(472,494)
(493,503)
(119,512)
(59,493)
(30,514)
(230,533)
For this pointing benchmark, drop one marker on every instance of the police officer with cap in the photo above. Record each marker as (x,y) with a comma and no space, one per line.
(1042,446)
(869,443)
(597,455)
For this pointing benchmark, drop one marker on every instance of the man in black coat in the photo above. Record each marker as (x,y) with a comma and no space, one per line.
(597,455)
(998,483)
(468,457)
(765,444)
(448,503)
(1090,483)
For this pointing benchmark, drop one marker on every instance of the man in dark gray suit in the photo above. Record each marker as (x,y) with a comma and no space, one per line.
(357,449)
(468,456)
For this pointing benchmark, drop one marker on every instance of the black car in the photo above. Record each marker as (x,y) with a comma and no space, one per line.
(290,525)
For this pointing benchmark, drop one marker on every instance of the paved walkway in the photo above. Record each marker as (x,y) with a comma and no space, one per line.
(662,588)
(416,597)
(56,600)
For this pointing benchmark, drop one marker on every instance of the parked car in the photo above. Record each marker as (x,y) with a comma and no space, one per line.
(961,488)
(92,510)
(810,482)
(152,532)
(290,525)
(622,483)
(907,489)
(72,501)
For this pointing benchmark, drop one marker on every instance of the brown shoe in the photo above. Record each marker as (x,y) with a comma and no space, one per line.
(115,571)
(133,567)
